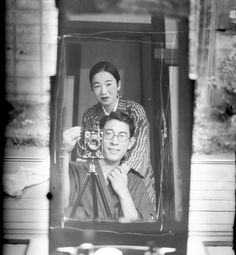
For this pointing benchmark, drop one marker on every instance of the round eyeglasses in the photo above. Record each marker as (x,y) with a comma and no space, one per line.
(121,136)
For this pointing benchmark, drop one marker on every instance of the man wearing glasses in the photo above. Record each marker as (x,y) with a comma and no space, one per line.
(125,193)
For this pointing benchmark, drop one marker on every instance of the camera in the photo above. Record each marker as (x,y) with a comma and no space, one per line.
(91,143)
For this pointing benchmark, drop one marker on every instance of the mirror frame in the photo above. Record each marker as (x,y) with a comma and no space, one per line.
(183,132)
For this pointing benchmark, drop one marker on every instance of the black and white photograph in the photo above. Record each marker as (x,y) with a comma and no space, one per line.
(120,122)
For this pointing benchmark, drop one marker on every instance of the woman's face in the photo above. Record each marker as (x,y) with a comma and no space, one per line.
(105,88)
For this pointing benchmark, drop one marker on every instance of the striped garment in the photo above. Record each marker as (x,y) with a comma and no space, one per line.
(138,158)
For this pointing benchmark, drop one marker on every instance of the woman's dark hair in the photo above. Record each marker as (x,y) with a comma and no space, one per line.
(104,66)
(121,116)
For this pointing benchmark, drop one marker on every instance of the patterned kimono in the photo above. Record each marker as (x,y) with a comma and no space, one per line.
(138,158)
(78,171)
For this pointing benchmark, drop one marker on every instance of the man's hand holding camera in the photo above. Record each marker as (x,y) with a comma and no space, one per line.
(70,137)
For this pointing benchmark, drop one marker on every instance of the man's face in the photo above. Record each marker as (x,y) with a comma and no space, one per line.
(113,148)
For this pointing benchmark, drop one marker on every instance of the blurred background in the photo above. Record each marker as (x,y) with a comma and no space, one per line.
(31,55)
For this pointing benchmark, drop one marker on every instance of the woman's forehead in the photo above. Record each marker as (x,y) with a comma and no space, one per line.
(103,75)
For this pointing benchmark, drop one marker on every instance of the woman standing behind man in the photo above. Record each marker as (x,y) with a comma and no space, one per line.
(105,83)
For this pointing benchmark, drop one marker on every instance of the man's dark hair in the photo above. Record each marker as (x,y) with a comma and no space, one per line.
(121,116)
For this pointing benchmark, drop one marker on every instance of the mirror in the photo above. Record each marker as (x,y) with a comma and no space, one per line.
(150,53)
(136,55)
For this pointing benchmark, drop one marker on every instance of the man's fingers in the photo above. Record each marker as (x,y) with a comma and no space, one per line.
(72,134)
(70,137)
(117,172)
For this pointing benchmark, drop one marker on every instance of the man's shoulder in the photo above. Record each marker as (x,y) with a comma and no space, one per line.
(135,182)
(134,176)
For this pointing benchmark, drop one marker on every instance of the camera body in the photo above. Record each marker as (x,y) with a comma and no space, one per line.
(91,143)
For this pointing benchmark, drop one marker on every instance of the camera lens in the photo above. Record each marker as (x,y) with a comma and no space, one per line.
(93,144)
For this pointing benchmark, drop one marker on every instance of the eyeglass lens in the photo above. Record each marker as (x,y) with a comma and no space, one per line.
(121,136)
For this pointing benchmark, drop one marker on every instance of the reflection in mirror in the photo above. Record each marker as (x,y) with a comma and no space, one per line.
(133,74)
(151,56)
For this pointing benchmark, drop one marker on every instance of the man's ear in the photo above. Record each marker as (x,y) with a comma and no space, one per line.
(132,141)
(118,85)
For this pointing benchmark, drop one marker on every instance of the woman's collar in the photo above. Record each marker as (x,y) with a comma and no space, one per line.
(115,108)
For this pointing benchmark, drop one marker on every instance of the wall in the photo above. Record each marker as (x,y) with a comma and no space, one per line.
(31,45)
(212,199)
(31,48)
